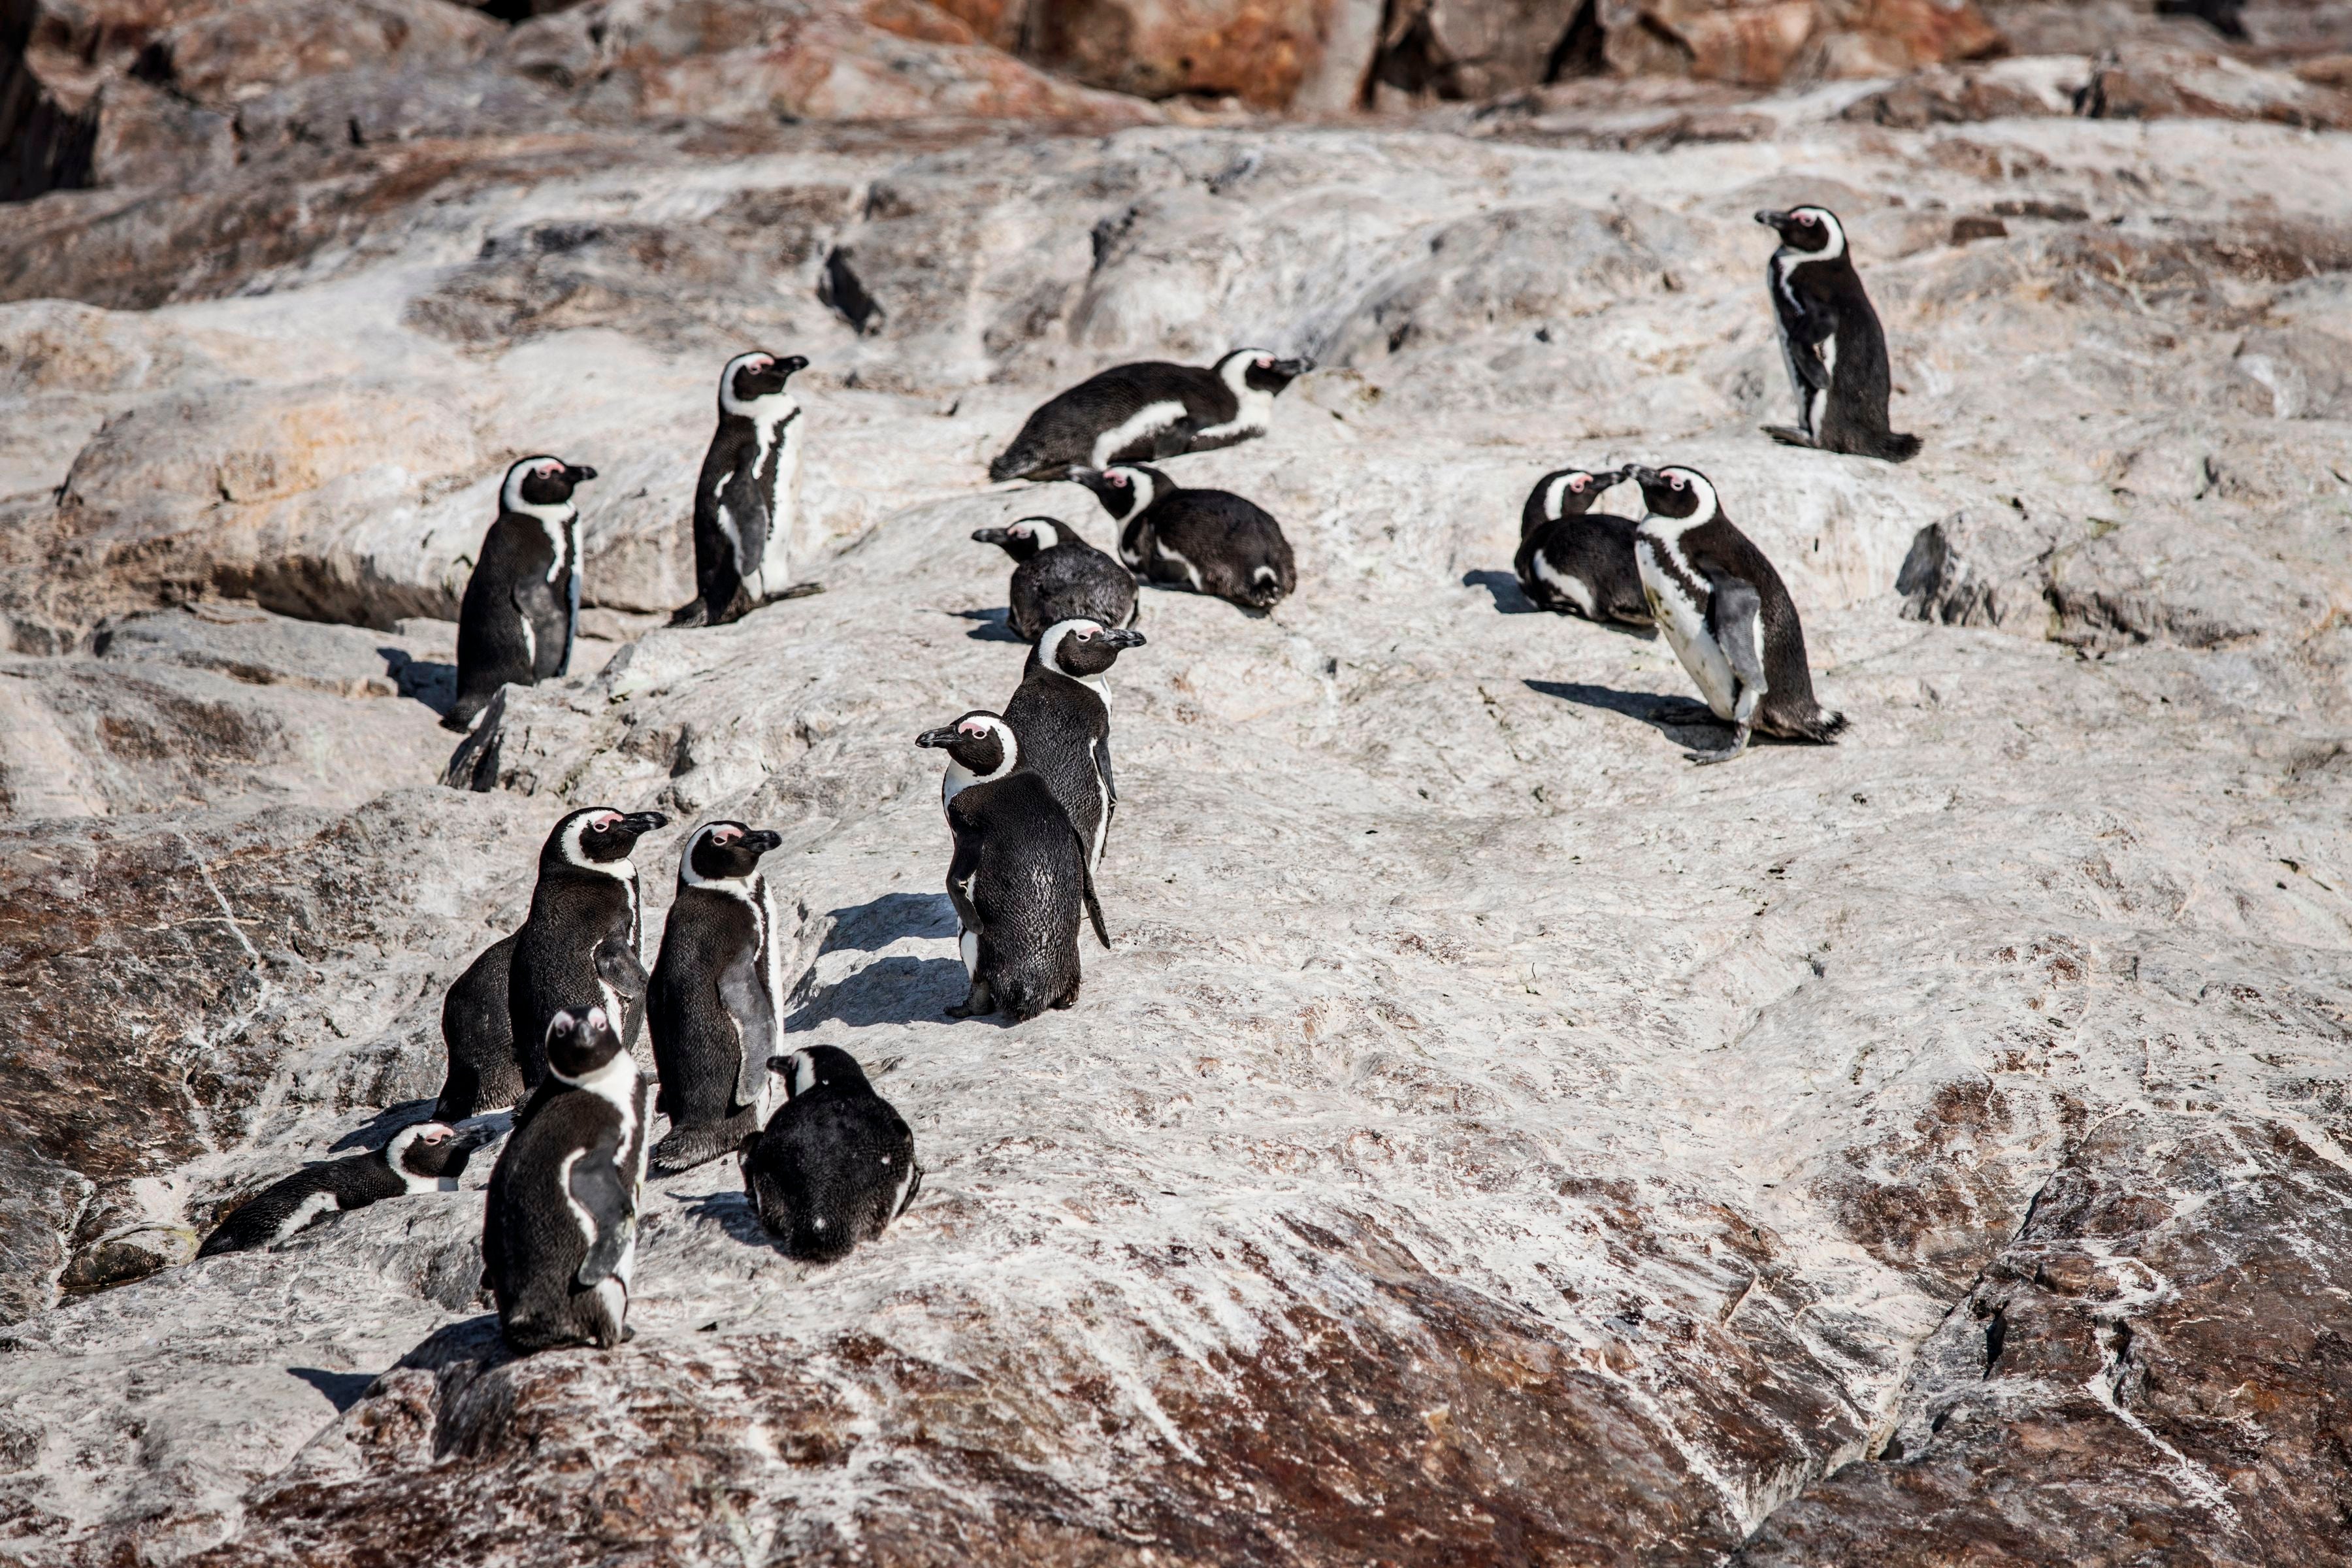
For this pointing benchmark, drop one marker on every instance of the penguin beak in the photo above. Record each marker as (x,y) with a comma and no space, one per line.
(1122,637)
(640,823)
(1293,368)
(941,738)
(469,1139)
(578,475)
(1602,482)
(1777,221)
(791,364)
(1641,475)
(760,840)
(989,536)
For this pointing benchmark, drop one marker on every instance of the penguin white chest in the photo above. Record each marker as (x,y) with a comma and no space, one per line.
(1682,620)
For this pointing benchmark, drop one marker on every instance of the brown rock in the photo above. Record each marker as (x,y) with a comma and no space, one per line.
(1763,42)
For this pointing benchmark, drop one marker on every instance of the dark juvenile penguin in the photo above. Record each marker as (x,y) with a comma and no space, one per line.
(560,1227)
(1721,604)
(717,1001)
(1573,561)
(1830,339)
(425,1157)
(748,494)
(521,609)
(1060,577)
(1061,711)
(485,1069)
(836,1162)
(579,945)
(1018,877)
(1134,412)
(1211,542)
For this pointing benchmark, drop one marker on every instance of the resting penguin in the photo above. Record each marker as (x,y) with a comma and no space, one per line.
(716,1000)
(1723,609)
(425,1157)
(560,1227)
(579,945)
(1211,541)
(1830,339)
(521,609)
(1132,413)
(837,1163)
(1062,713)
(747,495)
(1018,877)
(1573,561)
(1060,577)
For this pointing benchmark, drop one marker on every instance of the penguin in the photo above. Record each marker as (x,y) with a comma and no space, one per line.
(1060,577)
(1061,711)
(835,1164)
(1211,541)
(578,944)
(1018,877)
(1133,413)
(424,1157)
(1830,340)
(716,1003)
(1573,561)
(1723,608)
(560,1227)
(748,494)
(522,610)
(485,1071)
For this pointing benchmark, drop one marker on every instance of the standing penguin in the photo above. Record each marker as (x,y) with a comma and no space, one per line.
(522,609)
(579,945)
(560,1227)
(1721,604)
(485,1069)
(1018,877)
(1574,560)
(837,1163)
(425,1157)
(1211,542)
(716,1000)
(1060,577)
(1132,413)
(1062,713)
(748,493)
(1830,337)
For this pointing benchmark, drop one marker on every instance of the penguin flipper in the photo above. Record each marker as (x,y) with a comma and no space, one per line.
(1736,611)
(1093,905)
(745,999)
(598,1191)
(572,626)
(618,966)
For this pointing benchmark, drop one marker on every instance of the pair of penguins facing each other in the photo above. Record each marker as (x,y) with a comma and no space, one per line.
(520,612)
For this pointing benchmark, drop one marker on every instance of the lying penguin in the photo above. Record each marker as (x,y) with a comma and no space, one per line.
(1211,542)
(425,1157)
(836,1162)
(1727,614)
(1132,413)
(1573,561)
(1058,576)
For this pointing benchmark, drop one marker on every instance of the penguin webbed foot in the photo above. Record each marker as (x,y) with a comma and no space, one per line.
(1789,437)
(1739,735)
(978,1004)
(1682,710)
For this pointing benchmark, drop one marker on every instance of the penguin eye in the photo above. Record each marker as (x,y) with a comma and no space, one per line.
(1265,364)
(1119,480)
(1578,483)
(1676,481)
(1805,218)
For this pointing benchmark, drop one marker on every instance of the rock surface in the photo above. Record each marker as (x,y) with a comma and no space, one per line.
(1490,1139)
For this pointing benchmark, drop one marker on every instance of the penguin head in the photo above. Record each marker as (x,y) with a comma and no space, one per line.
(598,839)
(753,377)
(580,1042)
(1079,648)
(826,1066)
(1023,539)
(1258,370)
(723,852)
(1125,488)
(542,484)
(1571,492)
(1683,495)
(431,1150)
(980,742)
(1815,231)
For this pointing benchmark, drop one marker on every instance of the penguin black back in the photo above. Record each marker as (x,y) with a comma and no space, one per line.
(425,1156)
(1060,577)
(579,946)
(1061,715)
(1133,413)
(1831,341)
(715,1007)
(1211,541)
(836,1163)
(1573,561)
(520,612)
(485,1072)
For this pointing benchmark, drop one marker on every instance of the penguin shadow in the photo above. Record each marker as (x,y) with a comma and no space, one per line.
(1679,718)
(377,1130)
(1511,599)
(342,1389)
(476,1340)
(994,625)
(902,988)
(425,681)
(732,1212)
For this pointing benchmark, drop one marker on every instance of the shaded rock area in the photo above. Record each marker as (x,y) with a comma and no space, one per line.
(1489,1139)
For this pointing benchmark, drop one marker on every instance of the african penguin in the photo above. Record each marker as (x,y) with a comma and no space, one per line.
(836,1163)
(579,945)
(1017,877)
(1060,577)
(717,1001)
(560,1227)
(748,493)
(424,1157)
(1573,561)
(1830,340)
(1132,413)
(1723,609)
(1211,541)
(522,609)
(485,1069)
(1061,711)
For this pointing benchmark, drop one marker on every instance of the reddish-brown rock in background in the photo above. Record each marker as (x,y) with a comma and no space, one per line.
(1765,42)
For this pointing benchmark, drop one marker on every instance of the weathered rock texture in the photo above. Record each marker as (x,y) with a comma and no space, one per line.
(1491,1140)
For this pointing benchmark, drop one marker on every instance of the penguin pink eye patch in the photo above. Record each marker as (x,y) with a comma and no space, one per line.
(604,819)
(724,835)
(973,727)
